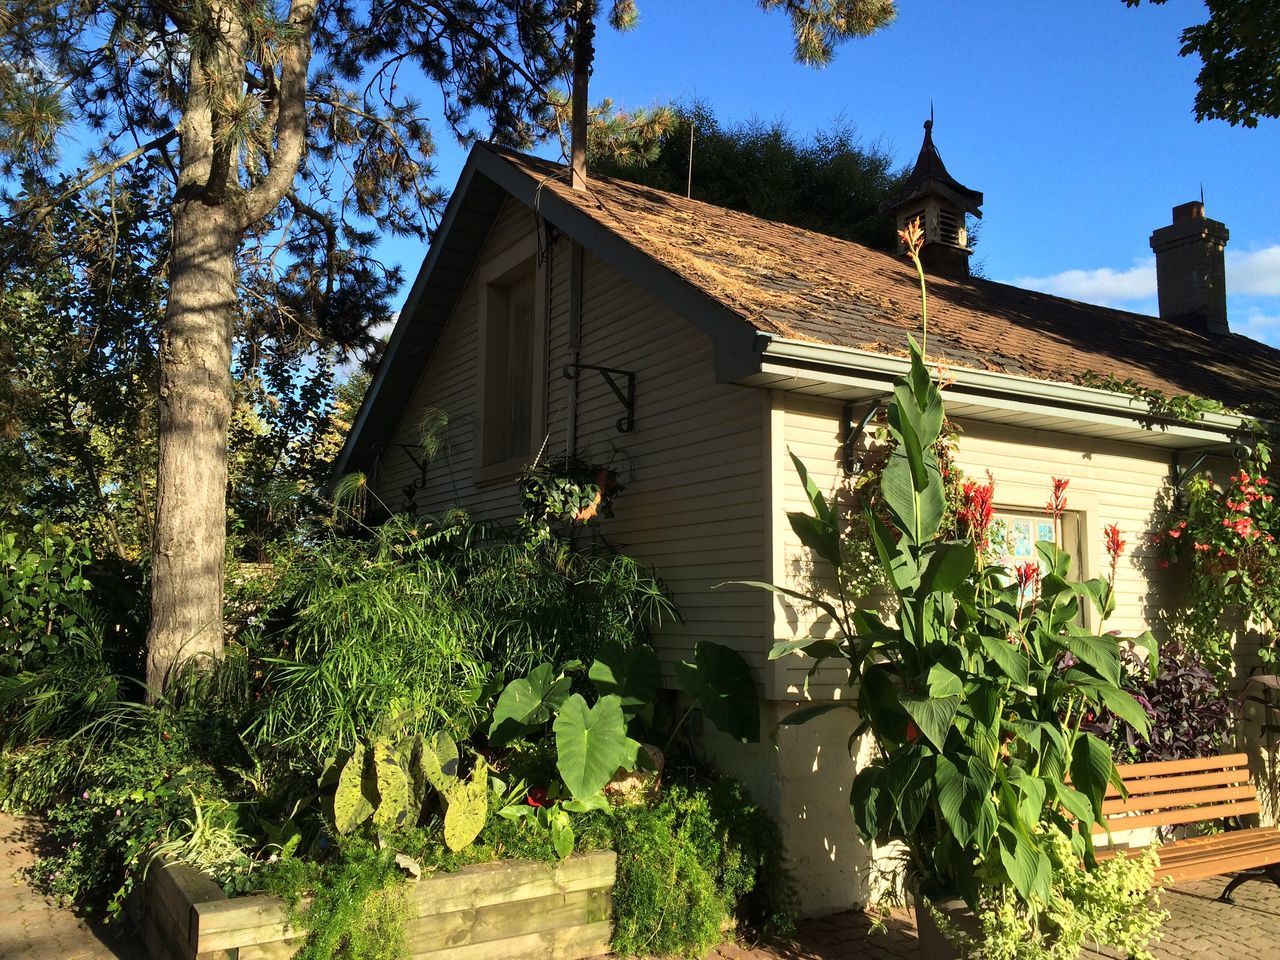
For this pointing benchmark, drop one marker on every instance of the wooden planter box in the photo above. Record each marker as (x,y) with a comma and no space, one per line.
(513,909)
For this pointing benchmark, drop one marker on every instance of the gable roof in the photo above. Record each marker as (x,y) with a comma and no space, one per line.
(800,285)
(762,289)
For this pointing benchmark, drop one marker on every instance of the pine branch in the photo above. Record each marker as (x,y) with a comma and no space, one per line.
(44,209)
(291,135)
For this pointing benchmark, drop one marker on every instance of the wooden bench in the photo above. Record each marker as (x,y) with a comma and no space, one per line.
(1176,792)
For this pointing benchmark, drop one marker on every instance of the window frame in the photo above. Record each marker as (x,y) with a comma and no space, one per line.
(494,277)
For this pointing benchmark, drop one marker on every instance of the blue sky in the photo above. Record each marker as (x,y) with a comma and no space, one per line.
(1074,117)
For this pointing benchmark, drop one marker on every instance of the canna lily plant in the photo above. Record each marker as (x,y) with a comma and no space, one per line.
(975,691)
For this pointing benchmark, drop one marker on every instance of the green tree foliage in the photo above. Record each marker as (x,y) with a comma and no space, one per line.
(1239,47)
(291,137)
(833,183)
(79,312)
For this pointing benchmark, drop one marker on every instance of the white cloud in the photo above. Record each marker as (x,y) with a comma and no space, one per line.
(1105,285)
(1258,325)
(1256,273)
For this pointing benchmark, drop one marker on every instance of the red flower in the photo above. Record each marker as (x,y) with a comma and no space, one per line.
(1028,575)
(537,797)
(1057,504)
(913,732)
(1115,545)
(974,514)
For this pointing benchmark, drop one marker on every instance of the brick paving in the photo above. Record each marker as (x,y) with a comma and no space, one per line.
(31,927)
(1199,928)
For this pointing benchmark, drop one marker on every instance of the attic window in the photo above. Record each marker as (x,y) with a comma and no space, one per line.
(509,316)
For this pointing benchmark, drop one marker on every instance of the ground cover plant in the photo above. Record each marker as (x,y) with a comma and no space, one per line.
(384,707)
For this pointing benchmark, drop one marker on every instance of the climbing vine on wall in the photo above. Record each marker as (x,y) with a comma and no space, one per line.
(1224,533)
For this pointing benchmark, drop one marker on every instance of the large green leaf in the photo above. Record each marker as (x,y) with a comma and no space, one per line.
(1012,660)
(720,681)
(591,744)
(1101,653)
(810,599)
(933,715)
(947,565)
(822,537)
(1026,864)
(821,509)
(527,702)
(964,797)
(1091,770)
(631,673)
(895,561)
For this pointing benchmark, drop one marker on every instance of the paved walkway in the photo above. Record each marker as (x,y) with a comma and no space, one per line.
(1200,928)
(32,928)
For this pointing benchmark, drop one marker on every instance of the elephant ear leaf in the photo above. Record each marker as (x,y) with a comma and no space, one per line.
(720,682)
(630,674)
(592,744)
(526,703)
(353,800)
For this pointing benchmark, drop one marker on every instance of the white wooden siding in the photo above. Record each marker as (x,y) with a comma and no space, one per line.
(1109,483)
(693,466)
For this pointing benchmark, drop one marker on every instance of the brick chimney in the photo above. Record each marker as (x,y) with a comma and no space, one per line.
(1191,273)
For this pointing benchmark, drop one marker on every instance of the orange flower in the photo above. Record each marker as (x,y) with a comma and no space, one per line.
(912,236)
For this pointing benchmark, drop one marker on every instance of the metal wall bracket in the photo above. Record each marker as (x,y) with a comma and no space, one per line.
(627,421)
(410,489)
(851,433)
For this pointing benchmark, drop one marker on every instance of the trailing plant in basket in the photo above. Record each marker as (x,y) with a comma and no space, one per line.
(975,695)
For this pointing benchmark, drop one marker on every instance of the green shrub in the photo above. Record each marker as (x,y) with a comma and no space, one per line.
(41,584)
(692,864)
(358,906)
(117,806)
(366,627)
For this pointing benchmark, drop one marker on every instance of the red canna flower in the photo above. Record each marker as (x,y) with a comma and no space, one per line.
(974,514)
(913,732)
(1057,504)
(1115,545)
(1028,575)
(537,797)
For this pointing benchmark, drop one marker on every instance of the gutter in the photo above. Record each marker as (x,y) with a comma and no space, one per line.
(876,372)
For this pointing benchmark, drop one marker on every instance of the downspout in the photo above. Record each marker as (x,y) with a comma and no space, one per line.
(575,343)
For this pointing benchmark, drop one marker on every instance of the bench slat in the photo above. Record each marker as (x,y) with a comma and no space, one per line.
(1189,781)
(1177,801)
(1158,768)
(1171,818)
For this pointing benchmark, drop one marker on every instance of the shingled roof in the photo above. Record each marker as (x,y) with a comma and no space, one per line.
(806,286)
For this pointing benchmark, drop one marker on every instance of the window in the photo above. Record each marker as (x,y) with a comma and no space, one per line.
(1015,533)
(508,344)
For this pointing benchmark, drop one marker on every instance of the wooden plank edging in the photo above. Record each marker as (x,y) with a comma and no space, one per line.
(576,891)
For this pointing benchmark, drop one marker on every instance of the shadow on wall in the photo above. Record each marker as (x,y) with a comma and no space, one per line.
(802,775)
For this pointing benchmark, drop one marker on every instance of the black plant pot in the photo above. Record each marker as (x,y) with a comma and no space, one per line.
(933,943)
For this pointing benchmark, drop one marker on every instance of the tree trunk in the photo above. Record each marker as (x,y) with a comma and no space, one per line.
(195,410)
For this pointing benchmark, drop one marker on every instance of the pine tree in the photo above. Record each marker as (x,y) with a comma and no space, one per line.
(288,135)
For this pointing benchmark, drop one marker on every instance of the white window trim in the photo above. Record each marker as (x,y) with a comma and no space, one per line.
(490,275)
(1026,498)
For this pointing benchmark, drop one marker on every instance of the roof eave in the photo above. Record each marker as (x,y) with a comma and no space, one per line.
(849,373)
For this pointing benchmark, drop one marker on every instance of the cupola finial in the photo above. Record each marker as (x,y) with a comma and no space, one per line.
(931,195)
